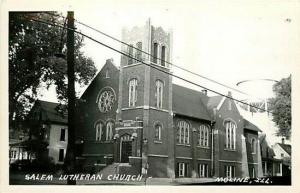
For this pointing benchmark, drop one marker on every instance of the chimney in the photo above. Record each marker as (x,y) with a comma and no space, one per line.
(110,60)
(229,94)
(204,91)
(282,140)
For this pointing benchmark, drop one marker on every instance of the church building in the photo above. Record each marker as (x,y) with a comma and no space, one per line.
(135,120)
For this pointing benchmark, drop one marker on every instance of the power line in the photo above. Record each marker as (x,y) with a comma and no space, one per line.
(181,68)
(150,65)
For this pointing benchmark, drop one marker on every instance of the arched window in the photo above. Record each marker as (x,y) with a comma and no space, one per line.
(157,132)
(253,172)
(183,134)
(106,74)
(138,53)
(109,130)
(203,136)
(130,53)
(230,135)
(163,55)
(132,92)
(159,93)
(99,131)
(253,145)
(229,105)
(155,52)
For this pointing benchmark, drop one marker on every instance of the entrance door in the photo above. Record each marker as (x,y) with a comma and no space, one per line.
(126,151)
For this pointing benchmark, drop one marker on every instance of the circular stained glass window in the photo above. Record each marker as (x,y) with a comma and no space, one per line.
(106,100)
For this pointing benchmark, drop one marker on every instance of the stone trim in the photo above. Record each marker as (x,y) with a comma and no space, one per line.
(181,144)
(132,108)
(202,159)
(202,147)
(252,163)
(145,107)
(155,155)
(233,150)
(124,128)
(183,158)
(230,161)
(163,110)
(131,65)
(135,157)
(96,154)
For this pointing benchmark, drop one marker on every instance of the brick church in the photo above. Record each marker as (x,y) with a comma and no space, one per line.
(137,120)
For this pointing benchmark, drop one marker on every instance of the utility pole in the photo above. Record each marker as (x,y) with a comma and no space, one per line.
(70,154)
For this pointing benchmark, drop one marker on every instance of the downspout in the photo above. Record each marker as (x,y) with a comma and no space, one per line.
(212,123)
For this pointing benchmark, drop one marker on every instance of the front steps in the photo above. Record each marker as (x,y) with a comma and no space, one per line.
(119,168)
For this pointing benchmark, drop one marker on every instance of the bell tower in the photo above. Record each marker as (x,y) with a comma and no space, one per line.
(145,100)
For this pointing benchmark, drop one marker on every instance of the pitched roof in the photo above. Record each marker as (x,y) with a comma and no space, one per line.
(108,63)
(286,147)
(189,102)
(266,150)
(214,101)
(51,113)
(250,126)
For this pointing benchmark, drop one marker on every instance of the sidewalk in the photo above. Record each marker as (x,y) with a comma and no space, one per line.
(151,181)
(19,179)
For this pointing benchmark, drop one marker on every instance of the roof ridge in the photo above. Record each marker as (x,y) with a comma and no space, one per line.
(108,62)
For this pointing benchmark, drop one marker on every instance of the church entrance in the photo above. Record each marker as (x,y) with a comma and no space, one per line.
(126,149)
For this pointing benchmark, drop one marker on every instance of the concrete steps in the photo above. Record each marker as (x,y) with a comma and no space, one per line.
(110,170)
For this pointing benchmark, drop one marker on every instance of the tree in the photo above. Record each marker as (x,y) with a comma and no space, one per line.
(280,105)
(33,62)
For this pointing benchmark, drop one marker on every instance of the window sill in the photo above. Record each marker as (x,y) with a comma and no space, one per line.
(131,108)
(187,145)
(133,64)
(159,142)
(104,141)
(203,147)
(229,149)
(159,109)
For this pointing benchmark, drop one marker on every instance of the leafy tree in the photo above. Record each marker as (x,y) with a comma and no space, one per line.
(33,60)
(280,105)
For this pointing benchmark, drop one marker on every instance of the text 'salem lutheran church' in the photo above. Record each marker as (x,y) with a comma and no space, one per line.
(135,119)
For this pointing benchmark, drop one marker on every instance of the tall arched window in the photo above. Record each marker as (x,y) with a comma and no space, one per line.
(132,92)
(109,130)
(155,52)
(99,131)
(159,93)
(230,135)
(203,136)
(106,74)
(157,132)
(229,105)
(253,145)
(163,55)
(183,133)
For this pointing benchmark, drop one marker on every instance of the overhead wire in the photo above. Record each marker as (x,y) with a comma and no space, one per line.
(150,65)
(155,57)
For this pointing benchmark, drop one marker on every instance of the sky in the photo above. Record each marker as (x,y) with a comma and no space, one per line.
(227,41)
